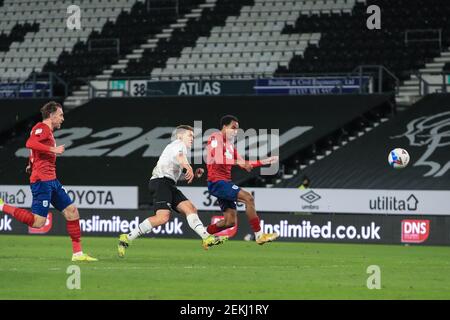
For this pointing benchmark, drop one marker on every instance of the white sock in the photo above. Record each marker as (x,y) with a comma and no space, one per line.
(197,225)
(258,234)
(143,228)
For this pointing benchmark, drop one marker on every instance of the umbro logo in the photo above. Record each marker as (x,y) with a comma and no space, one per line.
(310,197)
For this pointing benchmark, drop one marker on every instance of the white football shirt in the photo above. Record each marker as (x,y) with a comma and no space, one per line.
(168,165)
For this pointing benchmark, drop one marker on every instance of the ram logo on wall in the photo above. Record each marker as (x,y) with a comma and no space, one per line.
(430,132)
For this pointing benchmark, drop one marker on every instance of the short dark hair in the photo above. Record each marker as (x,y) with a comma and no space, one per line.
(226,120)
(49,108)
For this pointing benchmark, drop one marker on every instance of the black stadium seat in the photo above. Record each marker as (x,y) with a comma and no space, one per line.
(346,42)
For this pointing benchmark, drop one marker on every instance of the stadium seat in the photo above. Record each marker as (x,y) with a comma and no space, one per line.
(17,36)
(346,42)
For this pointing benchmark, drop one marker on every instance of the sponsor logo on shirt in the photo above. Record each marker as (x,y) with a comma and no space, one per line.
(228,155)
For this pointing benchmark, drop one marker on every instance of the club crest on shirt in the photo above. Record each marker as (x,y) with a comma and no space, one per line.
(214,143)
(228,155)
(38,131)
(45,203)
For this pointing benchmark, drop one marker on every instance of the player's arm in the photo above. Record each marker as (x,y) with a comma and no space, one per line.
(249,165)
(34,143)
(241,162)
(263,162)
(184,163)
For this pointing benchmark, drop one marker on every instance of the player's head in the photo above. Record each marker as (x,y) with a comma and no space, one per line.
(229,126)
(306,181)
(186,134)
(53,113)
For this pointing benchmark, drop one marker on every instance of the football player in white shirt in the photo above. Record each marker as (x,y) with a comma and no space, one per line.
(166,196)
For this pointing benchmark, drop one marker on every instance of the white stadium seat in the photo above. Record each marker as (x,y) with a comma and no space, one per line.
(253,41)
(53,36)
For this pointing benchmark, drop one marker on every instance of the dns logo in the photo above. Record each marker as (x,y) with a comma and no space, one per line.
(415,231)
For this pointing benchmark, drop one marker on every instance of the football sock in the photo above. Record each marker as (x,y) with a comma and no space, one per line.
(213,228)
(21,215)
(197,225)
(74,231)
(256,227)
(143,228)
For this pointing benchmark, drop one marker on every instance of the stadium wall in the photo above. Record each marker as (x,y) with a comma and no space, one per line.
(422,129)
(334,228)
(16,111)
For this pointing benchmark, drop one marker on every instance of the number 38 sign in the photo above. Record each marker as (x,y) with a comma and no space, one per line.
(138,88)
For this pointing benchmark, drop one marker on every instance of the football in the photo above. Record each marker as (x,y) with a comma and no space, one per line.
(398,158)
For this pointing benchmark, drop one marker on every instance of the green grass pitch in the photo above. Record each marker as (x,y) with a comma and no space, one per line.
(34,267)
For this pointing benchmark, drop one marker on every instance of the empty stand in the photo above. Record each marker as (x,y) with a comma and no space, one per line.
(178,39)
(17,34)
(129,29)
(52,37)
(198,25)
(249,42)
(346,41)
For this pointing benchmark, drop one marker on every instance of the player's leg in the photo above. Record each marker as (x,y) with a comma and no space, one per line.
(161,194)
(250,209)
(161,197)
(229,218)
(226,193)
(73,227)
(161,217)
(187,207)
(62,202)
(23,215)
(37,217)
(39,221)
